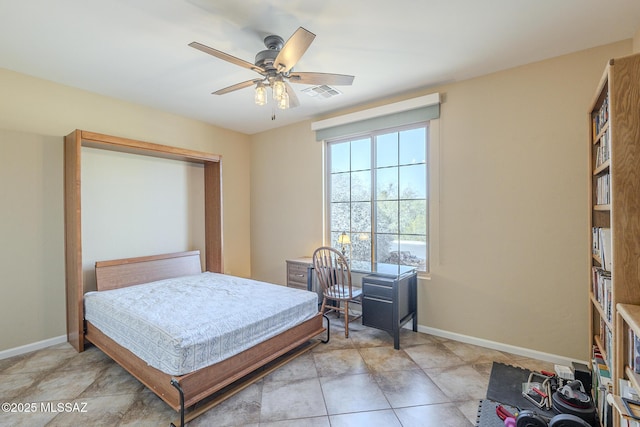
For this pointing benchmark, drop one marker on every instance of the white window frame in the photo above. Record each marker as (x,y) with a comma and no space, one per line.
(430,185)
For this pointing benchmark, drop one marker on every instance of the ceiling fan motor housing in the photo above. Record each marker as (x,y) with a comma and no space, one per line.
(265,58)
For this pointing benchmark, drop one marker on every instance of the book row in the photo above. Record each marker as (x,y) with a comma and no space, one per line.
(634,351)
(602,385)
(603,189)
(603,149)
(601,118)
(601,246)
(601,288)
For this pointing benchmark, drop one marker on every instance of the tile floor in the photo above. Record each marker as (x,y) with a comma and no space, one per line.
(360,381)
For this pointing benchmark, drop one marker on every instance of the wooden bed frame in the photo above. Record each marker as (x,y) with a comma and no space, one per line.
(204,382)
(186,390)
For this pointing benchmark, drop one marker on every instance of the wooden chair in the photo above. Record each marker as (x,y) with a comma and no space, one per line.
(334,278)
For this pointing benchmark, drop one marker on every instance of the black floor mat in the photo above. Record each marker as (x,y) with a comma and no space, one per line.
(505,386)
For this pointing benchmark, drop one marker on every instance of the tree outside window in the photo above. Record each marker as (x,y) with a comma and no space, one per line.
(377,194)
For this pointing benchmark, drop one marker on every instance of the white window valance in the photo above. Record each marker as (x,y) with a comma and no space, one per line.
(401,113)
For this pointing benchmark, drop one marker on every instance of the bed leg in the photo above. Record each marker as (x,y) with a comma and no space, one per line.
(328,329)
(176,384)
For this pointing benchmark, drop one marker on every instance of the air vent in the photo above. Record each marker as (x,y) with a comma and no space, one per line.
(323,91)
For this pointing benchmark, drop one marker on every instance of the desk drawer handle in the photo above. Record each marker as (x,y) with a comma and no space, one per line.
(299,275)
(378,299)
(368,284)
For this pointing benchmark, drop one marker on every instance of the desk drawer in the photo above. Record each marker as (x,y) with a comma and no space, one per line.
(377,313)
(377,291)
(297,274)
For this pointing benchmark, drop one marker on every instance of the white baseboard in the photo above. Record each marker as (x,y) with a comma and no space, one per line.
(5,354)
(520,351)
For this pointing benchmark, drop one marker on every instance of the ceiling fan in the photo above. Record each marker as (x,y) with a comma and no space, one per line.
(275,65)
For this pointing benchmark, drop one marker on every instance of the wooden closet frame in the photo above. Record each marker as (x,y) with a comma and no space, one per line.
(73,144)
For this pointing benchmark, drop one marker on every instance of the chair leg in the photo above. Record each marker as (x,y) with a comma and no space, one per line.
(346,319)
(324,304)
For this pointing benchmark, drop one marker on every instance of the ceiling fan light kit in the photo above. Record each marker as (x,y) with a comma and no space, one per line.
(275,65)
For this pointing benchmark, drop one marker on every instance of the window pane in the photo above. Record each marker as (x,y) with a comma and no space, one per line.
(361,186)
(361,248)
(339,156)
(413,147)
(387,150)
(340,187)
(360,217)
(413,183)
(413,217)
(340,217)
(387,183)
(387,217)
(407,250)
(361,154)
(386,247)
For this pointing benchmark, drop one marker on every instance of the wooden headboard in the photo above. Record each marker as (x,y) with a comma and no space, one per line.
(125,272)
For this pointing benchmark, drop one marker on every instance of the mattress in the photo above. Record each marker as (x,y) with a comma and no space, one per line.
(181,325)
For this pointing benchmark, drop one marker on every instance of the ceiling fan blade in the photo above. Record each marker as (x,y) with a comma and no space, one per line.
(293,49)
(227,57)
(321,79)
(293,99)
(236,86)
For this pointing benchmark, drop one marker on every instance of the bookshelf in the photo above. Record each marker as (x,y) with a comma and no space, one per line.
(614,120)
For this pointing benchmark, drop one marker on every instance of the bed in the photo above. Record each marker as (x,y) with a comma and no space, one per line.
(184,390)
(183,384)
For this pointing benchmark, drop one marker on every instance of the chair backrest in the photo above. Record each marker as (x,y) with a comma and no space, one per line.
(333,272)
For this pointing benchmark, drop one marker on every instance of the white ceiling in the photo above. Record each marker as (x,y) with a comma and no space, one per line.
(136,50)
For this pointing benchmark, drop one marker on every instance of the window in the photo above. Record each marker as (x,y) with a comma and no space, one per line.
(377,195)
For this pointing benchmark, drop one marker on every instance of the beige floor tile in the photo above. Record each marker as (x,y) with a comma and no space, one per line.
(433,356)
(241,409)
(43,360)
(300,422)
(459,383)
(61,385)
(409,388)
(475,354)
(25,419)
(352,393)
(444,415)
(111,381)
(381,359)
(408,338)
(301,367)
(370,337)
(100,411)
(386,418)
(282,400)
(339,362)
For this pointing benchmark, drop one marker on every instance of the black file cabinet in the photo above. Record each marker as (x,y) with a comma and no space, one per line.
(390,302)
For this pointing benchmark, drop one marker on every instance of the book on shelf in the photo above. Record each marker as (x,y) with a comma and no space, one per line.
(601,117)
(633,356)
(603,149)
(602,384)
(602,288)
(603,189)
(601,246)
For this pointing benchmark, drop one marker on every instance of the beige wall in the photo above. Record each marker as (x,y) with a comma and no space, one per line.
(636,42)
(513,213)
(34,116)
